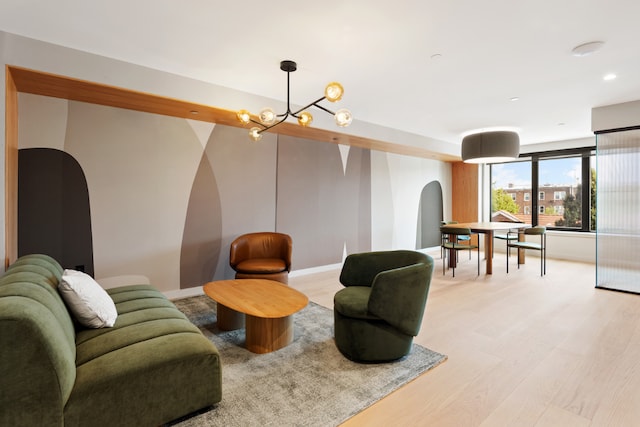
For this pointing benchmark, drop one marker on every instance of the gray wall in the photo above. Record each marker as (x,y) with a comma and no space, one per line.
(168,195)
(395,180)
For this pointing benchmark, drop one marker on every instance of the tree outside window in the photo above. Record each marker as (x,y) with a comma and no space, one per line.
(504,202)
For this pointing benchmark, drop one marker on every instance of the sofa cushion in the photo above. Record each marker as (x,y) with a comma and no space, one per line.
(90,304)
(153,350)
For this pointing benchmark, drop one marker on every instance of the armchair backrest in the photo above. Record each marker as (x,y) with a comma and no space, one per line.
(537,230)
(458,231)
(261,245)
(360,269)
(399,296)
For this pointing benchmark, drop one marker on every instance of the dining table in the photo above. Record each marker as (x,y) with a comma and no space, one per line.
(488,228)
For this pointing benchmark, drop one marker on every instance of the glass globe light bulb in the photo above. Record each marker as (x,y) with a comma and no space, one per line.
(305,118)
(243,116)
(267,117)
(343,117)
(254,134)
(333,92)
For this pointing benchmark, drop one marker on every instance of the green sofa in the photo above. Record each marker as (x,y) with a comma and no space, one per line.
(151,367)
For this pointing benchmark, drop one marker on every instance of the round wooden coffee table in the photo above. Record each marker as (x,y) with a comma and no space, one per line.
(266,305)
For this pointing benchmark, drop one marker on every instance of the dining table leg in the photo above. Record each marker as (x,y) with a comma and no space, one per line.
(488,250)
(521,251)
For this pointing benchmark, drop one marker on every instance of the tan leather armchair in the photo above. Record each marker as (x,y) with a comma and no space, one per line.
(263,255)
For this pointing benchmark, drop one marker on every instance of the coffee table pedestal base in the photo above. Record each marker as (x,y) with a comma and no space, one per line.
(229,319)
(264,335)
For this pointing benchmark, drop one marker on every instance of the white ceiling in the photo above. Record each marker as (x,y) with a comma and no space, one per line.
(381,51)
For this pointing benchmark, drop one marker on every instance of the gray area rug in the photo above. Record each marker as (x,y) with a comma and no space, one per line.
(307,383)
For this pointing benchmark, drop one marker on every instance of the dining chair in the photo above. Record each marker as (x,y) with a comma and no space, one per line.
(450,240)
(506,236)
(464,239)
(542,246)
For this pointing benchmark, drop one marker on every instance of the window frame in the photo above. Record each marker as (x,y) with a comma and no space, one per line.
(585,153)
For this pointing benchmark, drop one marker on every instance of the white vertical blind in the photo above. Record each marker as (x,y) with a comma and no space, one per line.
(618,210)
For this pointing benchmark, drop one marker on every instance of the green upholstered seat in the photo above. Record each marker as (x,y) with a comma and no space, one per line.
(532,245)
(380,309)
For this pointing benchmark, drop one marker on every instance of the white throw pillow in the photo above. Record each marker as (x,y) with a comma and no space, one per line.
(90,304)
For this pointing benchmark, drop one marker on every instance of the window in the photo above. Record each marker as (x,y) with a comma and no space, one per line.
(563,176)
(513,196)
(563,180)
(507,179)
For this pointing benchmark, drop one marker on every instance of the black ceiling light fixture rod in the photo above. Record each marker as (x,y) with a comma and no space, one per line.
(268,119)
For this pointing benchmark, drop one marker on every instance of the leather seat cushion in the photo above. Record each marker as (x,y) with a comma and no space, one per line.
(261,265)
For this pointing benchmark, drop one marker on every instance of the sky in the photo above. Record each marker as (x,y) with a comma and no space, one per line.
(565,171)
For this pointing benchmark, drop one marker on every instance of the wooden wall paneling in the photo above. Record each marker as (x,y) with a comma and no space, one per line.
(41,83)
(464,193)
(11,170)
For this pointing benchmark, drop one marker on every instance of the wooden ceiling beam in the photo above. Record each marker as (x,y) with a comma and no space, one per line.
(57,86)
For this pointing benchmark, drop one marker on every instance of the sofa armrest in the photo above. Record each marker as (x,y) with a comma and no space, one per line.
(37,368)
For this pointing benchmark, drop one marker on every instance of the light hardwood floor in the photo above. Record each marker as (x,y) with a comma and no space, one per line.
(522,350)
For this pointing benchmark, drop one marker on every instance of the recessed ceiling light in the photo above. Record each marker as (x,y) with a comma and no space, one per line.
(515,98)
(609,76)
(436,56)
(586,49)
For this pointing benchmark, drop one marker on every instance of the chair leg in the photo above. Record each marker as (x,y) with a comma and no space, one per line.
(478,259)
(508,251)
(454,269)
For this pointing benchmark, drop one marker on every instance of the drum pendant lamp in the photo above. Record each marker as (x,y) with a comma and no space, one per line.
(490,147)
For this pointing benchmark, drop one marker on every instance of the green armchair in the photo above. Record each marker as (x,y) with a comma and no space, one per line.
(380,309)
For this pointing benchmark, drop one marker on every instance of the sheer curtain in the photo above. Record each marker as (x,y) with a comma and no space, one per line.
(618,210)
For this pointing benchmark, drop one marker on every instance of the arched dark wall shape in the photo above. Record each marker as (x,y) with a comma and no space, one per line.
(54,215)
(430,214)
